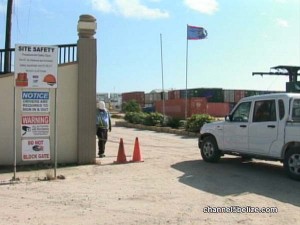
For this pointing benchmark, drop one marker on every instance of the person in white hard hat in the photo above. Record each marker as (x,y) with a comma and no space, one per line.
(103,124)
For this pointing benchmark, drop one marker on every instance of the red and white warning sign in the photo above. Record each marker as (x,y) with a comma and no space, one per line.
(35,126)
(35,149)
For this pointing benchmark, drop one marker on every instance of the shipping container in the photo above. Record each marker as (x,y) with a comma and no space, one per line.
(238,95)
(198,106)
(148,99)
(228,95)
(138,96)
(218,109)
(152,97)
(251,93)
(183,94)
(157,96)
(174,108)
(166,96)
(217,96)
(211,94)
(174,94)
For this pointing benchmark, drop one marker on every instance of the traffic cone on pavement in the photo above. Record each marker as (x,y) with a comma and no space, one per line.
(121,158)
(136,157)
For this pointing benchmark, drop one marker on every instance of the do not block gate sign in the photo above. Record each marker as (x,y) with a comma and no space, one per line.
(35,149)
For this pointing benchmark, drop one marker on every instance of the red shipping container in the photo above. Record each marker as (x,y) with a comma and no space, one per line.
(138,96)
(171,95)
(176,107)
(238,95)
(174,94)
(218,109)
(198,106)
(173,107)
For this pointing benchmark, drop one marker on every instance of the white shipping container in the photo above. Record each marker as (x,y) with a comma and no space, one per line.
(148,99)
(228,95)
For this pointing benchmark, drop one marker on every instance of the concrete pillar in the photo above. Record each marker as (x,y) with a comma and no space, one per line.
(87,73)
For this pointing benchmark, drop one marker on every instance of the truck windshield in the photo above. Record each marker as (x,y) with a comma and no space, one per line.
(241,114)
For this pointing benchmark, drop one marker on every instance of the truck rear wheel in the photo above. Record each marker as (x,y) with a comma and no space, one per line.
(292,163)
(209,150)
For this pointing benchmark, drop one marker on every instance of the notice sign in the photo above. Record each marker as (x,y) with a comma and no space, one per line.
(35,101)
(35,126)
(36,66)
(35,149)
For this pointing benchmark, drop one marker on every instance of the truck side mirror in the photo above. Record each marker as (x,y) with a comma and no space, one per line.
(228,118)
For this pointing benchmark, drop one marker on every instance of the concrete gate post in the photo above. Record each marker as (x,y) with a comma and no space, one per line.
(87,73)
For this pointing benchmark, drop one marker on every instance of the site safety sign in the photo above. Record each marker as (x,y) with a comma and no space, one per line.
(35,66)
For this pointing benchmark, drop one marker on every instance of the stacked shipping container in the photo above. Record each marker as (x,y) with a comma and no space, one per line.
(213,101)
(152,97)
(138,96)
(211,94)
(176,107)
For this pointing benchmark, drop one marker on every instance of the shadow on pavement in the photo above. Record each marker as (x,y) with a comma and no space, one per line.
(232,176)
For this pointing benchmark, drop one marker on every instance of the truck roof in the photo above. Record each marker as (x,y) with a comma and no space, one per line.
(272,95)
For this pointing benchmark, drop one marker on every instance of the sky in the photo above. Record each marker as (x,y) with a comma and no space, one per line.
(142,44)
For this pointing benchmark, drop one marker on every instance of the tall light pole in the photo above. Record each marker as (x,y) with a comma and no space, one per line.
(162,75)
(8,37)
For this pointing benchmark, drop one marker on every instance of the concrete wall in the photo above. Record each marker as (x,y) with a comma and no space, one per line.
(66,110)
(73,103)
(67,116)
(6,119)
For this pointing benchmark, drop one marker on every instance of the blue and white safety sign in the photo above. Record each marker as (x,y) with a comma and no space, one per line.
(35,101)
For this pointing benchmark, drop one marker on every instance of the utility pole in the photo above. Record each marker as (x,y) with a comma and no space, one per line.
(7,62)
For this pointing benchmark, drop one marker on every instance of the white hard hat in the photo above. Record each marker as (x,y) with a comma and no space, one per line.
(101,105)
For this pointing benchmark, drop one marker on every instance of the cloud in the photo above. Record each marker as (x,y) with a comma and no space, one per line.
(129,9)
(203,6)
(102,5)
(282,23)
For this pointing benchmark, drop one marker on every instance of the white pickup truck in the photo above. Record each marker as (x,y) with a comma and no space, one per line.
(263,127)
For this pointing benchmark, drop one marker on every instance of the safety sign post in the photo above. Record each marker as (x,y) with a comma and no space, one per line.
(35,77)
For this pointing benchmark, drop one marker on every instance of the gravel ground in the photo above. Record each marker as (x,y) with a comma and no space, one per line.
(172,186)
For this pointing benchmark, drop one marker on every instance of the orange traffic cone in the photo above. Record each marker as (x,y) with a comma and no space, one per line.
(136,152)
(121,158)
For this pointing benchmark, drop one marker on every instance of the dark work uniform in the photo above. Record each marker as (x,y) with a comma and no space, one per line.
(103,126)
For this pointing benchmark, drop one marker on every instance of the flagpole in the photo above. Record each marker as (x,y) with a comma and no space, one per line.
(193,33)
(186,75)
(162,75)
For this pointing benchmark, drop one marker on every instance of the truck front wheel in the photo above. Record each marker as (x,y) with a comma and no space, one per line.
(292,163)
(209,150)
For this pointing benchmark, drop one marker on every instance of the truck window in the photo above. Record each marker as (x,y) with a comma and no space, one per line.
(296,110)
(281,109)
(264,111)
(241,114)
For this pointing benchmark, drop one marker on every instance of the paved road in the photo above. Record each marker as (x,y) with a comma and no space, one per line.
(172,186)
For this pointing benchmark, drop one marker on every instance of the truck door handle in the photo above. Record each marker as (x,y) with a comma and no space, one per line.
(243,125)
(271,126)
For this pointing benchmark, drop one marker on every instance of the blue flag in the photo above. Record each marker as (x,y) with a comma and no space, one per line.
(196,33)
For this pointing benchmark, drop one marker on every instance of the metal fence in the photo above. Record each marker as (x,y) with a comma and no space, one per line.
(66,53)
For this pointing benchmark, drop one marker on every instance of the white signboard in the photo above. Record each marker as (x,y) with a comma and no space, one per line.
(35,149)
(35,101)
(36,66)
(35,126)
